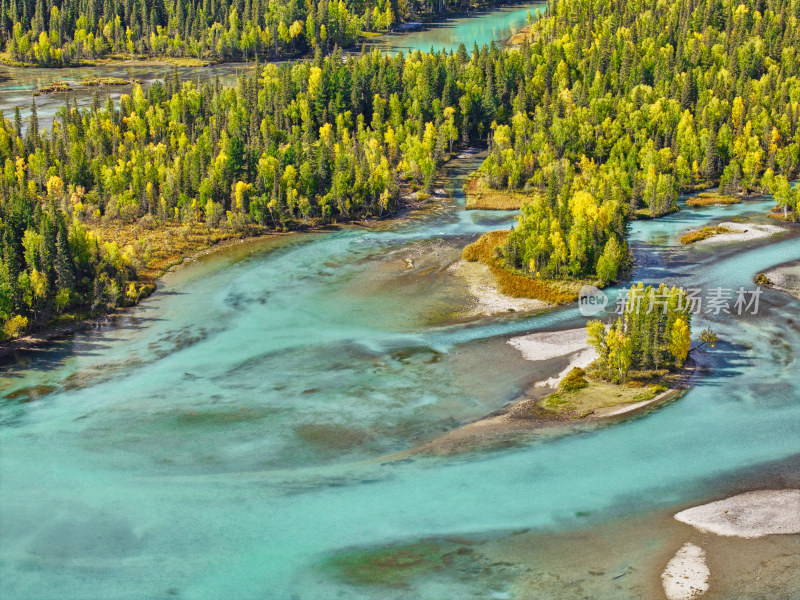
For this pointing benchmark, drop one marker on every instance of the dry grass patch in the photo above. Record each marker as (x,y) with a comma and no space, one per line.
(481,197)
(705,233)
(159,248)
(519,37)
(780,216)
(710,198)
(514,284)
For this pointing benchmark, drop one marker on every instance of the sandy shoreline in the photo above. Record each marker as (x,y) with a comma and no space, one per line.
(485,299)
(686,574)
(749,515)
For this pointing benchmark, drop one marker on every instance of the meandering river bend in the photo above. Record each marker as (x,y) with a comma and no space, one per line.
(220,440)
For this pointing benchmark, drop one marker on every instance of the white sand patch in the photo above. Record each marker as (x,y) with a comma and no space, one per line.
(486,299)
(581,359)
(748,515)
(742,232)
(550,344)
(626,408)
(686,574)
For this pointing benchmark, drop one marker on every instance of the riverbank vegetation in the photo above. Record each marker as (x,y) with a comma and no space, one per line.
(291,146)
(580,395)
(710,198)
(604,113)
(487,251)
(72,32)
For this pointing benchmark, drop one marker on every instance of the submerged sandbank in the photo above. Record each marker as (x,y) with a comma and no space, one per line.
(785,278)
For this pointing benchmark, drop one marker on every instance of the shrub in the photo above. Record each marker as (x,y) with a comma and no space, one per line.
(762,279)
(574,381)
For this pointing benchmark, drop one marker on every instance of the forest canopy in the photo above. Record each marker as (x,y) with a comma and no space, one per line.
(624,105)
(65,32)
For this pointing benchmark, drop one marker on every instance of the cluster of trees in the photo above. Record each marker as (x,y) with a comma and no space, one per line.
(786,195)
(634,102)
(583,234)
(610,106)
(653,333)
(292,144)
(63,32)
(51,265)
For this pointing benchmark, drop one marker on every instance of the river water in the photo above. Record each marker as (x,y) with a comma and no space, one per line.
(223,435)
(224,438)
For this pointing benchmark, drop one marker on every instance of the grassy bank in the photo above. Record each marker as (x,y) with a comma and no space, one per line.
(595,394)
(514,284)
(582,393)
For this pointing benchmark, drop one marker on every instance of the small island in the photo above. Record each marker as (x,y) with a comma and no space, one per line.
(642,358)
(711,199)
(639,361)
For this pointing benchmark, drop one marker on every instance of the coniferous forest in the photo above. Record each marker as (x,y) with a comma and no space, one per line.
(608,111)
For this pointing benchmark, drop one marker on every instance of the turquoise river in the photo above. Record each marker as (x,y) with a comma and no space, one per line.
(224,438)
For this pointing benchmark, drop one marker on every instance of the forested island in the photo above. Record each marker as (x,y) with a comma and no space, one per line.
(602,115)
(640,356)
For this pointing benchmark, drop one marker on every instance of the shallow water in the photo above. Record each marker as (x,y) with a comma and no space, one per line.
(223,435)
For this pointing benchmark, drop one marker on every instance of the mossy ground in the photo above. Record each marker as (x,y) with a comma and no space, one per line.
(597,394)
(643,214)
(393,567)
(56,86)
(98,81)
